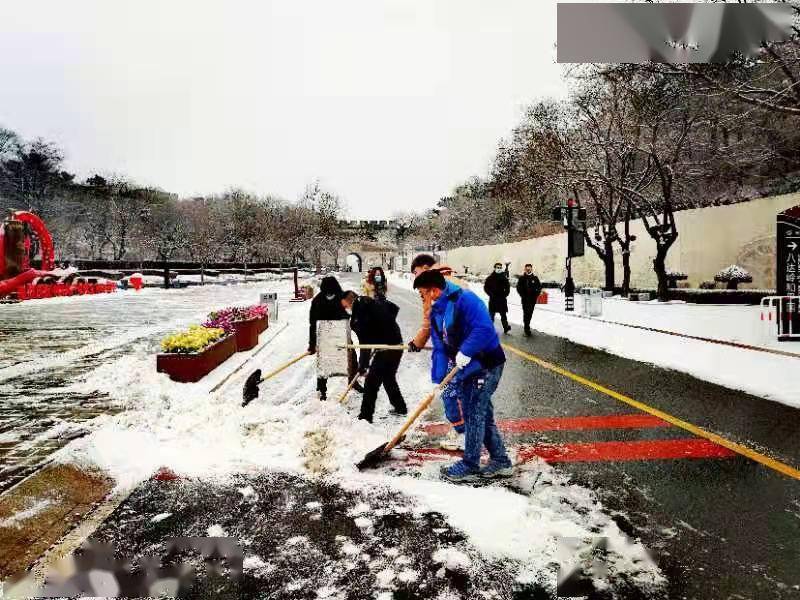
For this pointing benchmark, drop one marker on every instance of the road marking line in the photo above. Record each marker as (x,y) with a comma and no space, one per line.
(717,439)
(624,451)
(613,451)
(630,421)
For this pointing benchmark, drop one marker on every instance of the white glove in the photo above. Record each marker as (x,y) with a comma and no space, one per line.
(462,360)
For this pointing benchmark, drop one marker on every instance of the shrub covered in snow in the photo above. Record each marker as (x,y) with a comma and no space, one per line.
(733,276)
(673,277)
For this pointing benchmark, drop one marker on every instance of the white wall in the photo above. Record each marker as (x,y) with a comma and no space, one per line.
(709,239)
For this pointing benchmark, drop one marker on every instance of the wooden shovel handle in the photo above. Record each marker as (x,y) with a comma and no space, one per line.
(284,366)
(423,406)
(401,347)
(349,387)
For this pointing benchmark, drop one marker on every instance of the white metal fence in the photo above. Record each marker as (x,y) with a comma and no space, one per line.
(781,316)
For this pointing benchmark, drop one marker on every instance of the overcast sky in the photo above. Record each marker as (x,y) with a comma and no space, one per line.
(388,102)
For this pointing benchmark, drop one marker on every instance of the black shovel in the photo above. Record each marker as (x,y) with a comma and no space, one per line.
(250,391)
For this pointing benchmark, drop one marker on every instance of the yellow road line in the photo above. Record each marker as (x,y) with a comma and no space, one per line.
(738,448)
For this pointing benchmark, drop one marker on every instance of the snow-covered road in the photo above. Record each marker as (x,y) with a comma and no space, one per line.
(50,351)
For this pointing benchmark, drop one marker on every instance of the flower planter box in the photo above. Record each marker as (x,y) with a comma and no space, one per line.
(263,324)
(247,333)
(188,368)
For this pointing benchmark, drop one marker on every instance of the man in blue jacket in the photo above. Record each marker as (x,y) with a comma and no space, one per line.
(463,335)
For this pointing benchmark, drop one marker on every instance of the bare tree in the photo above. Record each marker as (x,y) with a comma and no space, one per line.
(163,229)
(204,231)
(324,210)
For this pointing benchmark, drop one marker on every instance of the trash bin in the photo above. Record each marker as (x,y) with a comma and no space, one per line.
(592,302)
(270,300)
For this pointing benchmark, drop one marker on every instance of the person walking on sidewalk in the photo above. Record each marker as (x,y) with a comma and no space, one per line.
(497,287)
(375,285)
(375,322)
(462,332)
(421,263)
(528,287)
(326,306)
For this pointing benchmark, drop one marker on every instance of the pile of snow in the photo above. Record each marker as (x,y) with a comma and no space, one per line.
(452,559)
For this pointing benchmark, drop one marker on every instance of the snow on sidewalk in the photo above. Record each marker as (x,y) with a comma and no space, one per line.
(769,376)
(211,437)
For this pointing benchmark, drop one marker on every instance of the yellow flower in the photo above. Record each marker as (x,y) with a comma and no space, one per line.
(195,339)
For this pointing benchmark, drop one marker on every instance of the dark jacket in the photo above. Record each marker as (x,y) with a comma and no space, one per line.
(529,287)
(323,309)
(497,287)
(460,323)
(375,322)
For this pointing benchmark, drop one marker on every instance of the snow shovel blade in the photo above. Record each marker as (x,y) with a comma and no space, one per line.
(376,456)
(250,391)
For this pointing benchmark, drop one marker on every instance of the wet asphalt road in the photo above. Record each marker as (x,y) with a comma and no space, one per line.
(721,527)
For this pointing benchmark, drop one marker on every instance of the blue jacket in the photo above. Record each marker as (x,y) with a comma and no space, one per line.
(460,322)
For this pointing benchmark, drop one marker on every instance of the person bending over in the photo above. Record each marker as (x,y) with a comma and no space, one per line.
(375,322)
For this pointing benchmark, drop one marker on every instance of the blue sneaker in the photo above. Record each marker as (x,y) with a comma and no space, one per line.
(497,471)
(459,473)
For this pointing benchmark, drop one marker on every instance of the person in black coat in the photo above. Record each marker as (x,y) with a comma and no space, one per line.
(528,287)
(497,287)
(375,322)
(326,306)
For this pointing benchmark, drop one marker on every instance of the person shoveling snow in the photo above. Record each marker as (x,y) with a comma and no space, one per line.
(375,322)
(462,334)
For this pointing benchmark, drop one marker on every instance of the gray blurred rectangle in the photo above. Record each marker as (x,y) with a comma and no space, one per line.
(669,33)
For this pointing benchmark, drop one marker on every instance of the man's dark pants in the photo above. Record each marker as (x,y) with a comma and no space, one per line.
(382,372)
(503,319)
(527,313)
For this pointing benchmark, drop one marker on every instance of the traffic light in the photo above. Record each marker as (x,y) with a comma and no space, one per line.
(575,229)
(576,243)
(573,218)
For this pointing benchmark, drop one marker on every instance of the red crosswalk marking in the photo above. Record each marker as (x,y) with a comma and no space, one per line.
(632,421)
(622,451)
(603,451)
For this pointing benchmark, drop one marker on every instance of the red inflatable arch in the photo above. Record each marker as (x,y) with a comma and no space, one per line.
(45,239)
